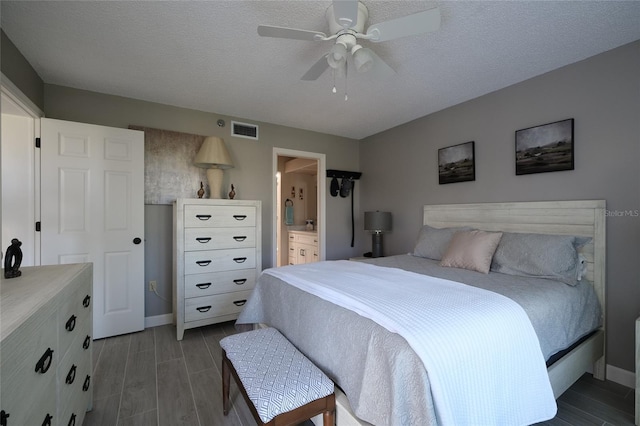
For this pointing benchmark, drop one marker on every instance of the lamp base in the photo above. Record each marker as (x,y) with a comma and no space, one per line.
(215,177)
(376,244)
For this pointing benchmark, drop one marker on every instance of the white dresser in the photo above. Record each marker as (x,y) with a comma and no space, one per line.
(303,247)
(45,352)
(217,258)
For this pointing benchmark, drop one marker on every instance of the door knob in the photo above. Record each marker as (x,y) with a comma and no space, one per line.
(137,240)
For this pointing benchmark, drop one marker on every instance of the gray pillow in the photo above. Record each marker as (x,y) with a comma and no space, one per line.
(432,242)
(539,255)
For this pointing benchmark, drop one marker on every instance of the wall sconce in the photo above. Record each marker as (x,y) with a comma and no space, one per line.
(213,156)
(377,222)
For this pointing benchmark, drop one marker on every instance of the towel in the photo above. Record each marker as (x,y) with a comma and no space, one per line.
(288,215)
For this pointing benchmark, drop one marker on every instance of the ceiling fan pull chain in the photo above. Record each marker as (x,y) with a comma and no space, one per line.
(333,73)
(346,97)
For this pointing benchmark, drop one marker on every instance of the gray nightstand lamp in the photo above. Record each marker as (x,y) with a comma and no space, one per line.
(214,157)
(377,222)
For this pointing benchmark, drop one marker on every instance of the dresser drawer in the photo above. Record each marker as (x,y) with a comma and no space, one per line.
(219,238)
(306,239)
(28,395)
(73,316)
(200,308)
(219,282)
(196,216)
(199,262)
(72,373)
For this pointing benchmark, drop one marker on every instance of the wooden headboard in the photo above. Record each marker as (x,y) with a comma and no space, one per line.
(580,218)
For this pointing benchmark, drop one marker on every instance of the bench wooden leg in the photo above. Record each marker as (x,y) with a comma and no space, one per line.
(328,418)
(226,376)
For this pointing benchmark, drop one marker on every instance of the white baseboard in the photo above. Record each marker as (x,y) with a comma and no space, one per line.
(620,376)
(158,320)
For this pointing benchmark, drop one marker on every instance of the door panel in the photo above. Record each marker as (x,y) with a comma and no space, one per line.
(92,209)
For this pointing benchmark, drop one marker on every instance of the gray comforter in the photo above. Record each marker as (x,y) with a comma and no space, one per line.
(384,380)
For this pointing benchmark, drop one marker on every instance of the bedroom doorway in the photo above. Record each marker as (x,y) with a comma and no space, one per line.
(299,201)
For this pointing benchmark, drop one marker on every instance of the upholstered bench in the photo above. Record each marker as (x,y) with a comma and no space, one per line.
(281,386)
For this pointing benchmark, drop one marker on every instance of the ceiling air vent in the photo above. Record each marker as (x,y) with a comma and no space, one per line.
(244,130)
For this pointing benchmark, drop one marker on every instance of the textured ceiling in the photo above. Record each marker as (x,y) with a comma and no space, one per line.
(208,56)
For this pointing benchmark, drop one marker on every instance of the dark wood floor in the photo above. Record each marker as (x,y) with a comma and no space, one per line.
(149,378)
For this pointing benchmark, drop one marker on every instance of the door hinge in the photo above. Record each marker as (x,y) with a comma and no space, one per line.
(37,142)
(37,226)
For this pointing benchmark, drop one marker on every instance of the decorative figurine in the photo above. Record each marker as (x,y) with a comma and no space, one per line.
(232,194)
(201,190)
(13,259)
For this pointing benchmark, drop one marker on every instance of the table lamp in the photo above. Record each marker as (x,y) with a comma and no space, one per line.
(377,222)
(213,156)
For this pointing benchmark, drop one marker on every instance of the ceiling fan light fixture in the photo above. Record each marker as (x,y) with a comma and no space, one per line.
(362,58)
(337,56)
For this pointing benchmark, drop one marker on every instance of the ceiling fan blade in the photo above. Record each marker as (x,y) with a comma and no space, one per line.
(316,70)
(380,69)
(421,22)
(346,12)
(290,33)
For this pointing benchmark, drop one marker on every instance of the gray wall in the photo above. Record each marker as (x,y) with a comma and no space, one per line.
(15,67)
(602,93)
(252,174)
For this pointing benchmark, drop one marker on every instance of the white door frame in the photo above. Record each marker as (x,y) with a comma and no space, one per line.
(321,201)
(30,109)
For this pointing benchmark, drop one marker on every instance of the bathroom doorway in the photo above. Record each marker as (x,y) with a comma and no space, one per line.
(299,200)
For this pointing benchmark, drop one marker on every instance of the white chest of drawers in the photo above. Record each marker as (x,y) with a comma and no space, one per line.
(46,346)
(217,258)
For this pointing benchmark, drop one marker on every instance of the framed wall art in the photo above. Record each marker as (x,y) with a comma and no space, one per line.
(457,163)
(545,148)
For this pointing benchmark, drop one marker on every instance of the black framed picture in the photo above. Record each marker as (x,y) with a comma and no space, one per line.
(457,163)
(545,148)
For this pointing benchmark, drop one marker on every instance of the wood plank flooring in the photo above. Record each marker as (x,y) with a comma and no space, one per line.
(151,379)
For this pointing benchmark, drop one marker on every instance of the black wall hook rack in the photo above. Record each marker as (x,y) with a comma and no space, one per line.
(344,190)
(341,174)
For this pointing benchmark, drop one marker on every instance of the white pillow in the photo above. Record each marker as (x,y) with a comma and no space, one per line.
(471,250)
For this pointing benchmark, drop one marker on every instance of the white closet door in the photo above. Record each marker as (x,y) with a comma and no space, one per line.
(93,211)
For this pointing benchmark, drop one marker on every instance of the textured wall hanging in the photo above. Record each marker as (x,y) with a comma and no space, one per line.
(169,172)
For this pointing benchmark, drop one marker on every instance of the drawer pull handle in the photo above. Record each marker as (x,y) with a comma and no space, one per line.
(203,216)
(239,216)
(86,343)
(71,376)
(240,238)
(47,420)
(239,302)
(42,366)
(202,286)
(204,308)
(239,259)
(3,418)
(86,384)
(203,262)
(72,420)
(240,281)
(86,301)
(203,240)
(71,323)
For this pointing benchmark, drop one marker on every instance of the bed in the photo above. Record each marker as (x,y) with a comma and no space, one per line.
(383,379)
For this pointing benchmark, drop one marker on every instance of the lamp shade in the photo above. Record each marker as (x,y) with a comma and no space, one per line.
(213,153)
(377,221)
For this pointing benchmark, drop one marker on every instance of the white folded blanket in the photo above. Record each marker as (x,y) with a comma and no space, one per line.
(480,351)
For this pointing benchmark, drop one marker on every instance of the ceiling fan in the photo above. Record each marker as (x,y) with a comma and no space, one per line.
(347,21)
